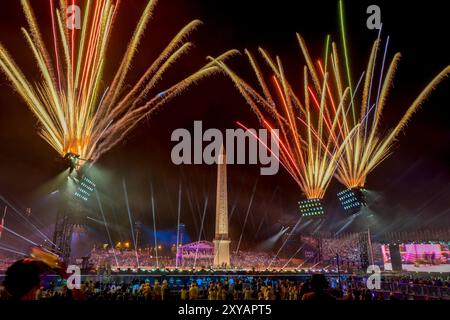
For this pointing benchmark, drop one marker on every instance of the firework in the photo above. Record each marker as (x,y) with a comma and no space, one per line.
(335,129)
(367,146)
(309,139)
(79,112)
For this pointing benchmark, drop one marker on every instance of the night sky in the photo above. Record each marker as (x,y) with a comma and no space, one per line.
(412,186)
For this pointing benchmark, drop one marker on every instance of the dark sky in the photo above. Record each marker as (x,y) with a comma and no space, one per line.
(412,185)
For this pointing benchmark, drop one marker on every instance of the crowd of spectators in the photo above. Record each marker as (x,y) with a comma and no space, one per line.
(26,279)
(128,259)
(317,287)
(6,261)
(223,289)
(125,259)
(349,251)
(346,247)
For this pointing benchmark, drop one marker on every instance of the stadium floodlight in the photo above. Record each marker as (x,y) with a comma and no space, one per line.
(85,189)
(352,200)
(311,208)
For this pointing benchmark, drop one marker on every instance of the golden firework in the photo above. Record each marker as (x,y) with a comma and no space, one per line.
(309,141)
(78,110)
(341,137)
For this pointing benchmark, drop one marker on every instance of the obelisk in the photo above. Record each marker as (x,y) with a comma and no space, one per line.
(222,241)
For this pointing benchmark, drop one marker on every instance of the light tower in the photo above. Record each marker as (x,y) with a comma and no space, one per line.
(353,200)
(222,240)
(72,211)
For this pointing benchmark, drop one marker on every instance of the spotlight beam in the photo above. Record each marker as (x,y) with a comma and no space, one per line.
(178,225)
(201,229)
(106,227)
(301,247)
(20,236)
(130,220)
(154,225)
(246,216)
(13,251)
(26,220)
(285,241)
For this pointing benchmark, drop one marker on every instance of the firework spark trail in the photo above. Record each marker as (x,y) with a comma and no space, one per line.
(357,161)
(346,56)
(246,216)
(107,228)
(201,229)
(368,147)
(365,152)
(371,83)
(357,147)
(305,154)
(73,115)
(382,73)
(130,220)
(154,225)
(263,143)
(55,43)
